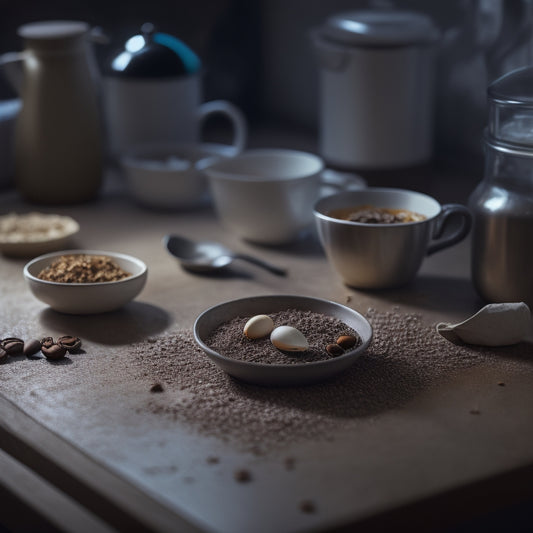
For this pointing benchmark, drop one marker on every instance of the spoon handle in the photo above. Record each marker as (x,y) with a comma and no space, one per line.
(260,263)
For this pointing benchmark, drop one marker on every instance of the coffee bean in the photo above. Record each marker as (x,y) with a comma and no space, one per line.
(334,350)
(53,352)
(47,342)
(31,347)
(72,344)
(3,356)
(12,345)
(347,341)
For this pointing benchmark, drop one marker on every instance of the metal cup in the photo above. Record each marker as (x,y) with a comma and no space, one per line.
(377,256)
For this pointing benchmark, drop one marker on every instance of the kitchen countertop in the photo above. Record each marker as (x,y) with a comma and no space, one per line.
(90,431)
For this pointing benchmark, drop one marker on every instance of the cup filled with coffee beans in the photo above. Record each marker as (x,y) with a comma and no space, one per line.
(377,238)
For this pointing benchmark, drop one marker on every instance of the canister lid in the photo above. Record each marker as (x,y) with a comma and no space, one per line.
(513,88)
(383,27)
(511,112)
(153,54)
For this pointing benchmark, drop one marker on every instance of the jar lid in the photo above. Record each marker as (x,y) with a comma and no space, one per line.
(152,54)
(385,27)
(53,29)
(513,88)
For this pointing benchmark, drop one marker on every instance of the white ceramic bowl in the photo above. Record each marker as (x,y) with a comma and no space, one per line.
(86,298)
(168,175)
(279,374)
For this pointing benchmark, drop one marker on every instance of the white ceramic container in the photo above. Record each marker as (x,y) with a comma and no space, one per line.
(376,89)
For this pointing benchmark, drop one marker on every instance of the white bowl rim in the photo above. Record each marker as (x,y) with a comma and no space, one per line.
(377,190)
(217,174)
(317,364)
(119,255)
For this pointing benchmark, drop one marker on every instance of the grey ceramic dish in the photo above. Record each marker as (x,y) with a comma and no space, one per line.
(281,375)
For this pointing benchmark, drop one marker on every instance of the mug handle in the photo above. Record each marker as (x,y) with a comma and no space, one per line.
(235,116)
(442,222)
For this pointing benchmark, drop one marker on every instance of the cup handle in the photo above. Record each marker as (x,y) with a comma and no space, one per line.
(339,181)
(235,116)
(442,222)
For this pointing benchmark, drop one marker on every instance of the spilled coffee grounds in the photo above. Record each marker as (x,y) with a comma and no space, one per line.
(319,329)
(405,357)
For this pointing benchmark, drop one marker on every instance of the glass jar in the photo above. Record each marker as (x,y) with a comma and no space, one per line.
(502,204)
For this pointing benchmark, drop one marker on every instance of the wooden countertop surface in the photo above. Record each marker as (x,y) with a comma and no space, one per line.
(82,432)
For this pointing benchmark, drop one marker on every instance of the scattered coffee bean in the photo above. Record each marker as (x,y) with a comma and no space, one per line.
(347,341)
(156,387)
(54,351)
(307,506)
(12,345)
(3,356)
(501,384)
(72,344)
(334,350)
(31,347)
(242,476)
(46,342)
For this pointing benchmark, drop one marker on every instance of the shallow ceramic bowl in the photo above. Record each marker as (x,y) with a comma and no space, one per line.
(169,175)
(281,375)
(86,298)
(33,244)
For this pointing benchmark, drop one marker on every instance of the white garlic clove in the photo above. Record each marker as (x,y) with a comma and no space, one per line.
(258,326)
(493,325)
(289,339)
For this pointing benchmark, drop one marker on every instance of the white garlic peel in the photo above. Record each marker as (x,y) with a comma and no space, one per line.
(258,326)
(499,324)
(289,339)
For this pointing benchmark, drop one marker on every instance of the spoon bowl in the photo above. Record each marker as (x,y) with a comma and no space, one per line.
(210,256)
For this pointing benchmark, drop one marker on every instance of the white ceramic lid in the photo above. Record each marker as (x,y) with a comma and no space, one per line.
(53,29)
(380,28)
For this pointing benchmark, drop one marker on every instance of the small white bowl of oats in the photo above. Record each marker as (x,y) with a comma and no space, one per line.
(84,282)
(32,234)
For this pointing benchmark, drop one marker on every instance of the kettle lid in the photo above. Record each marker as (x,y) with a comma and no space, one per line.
(153,54)
(380,27)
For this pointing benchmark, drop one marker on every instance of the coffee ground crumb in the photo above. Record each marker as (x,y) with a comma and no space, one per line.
(156,387)
(307,506)
(211,460)
(405,358)
(242,475)
(320,330)
(289,463)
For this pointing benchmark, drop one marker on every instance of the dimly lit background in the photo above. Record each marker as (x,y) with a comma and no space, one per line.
(258,54)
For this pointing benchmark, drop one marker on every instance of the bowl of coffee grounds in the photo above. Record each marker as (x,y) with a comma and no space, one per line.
(85,281)
(336,337)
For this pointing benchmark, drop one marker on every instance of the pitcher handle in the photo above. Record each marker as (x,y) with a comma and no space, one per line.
(235,116)
(442,222)
(11,63)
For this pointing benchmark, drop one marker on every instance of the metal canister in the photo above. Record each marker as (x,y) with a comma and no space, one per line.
(502,204)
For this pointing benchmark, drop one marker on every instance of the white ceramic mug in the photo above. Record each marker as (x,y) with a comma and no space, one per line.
(266,195)
(162,110)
